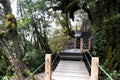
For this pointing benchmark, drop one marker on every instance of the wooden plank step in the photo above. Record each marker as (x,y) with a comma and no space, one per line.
(71,70)
(64,77)
(77,58)
(69,78)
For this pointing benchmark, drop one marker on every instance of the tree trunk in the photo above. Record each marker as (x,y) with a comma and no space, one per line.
(17,62)
(14,62)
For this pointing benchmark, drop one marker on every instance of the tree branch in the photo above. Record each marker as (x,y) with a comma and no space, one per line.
(7,6)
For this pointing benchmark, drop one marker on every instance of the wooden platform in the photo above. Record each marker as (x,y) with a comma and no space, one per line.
(70,70)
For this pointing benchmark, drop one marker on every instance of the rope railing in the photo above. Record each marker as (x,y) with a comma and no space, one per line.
(32,74)
(54,59)
(87,49)
(100,67)
(56,55)
(86,58)
(87,61)
(105,72)
(41,66)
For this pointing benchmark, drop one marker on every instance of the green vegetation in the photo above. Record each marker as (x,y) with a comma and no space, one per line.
(27,48)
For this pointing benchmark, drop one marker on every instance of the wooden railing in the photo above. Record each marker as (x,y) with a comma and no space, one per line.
(94,68)
(48,67)
(48,57)
(94,62)
(75,44)
(94,65)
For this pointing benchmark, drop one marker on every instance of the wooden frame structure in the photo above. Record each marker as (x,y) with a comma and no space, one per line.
(94,68)
(81,45)
(48,67)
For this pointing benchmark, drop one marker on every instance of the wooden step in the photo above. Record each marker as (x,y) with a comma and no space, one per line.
(73,54)
(73,58)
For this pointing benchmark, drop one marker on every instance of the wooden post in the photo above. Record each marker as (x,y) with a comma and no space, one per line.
(63,43)
(83,28)
(94,68)
(89,44)
(75,41)
(48,67)
(81,45)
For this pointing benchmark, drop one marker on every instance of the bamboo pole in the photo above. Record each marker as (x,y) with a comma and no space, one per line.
(94,68)
(48,67)
(81,45)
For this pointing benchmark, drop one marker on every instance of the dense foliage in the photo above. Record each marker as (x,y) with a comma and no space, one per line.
(106,34)
(34,23)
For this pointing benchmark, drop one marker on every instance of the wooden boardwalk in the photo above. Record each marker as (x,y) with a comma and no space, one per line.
(71,65)
(71,70)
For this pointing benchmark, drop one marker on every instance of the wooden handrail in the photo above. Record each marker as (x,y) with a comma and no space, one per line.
(89,44)
(48,67)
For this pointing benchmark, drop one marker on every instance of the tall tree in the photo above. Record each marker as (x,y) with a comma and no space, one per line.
(11,34)
(36,15)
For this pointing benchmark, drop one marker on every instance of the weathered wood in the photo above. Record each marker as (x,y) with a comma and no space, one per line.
(48,67)
(94,68)
(89,44)
(75,41)
(81,45)
(71,70)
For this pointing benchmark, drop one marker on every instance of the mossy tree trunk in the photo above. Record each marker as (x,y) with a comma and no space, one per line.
(15,60)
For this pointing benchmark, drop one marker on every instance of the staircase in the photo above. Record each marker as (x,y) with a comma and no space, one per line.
(75,54)
(72,54)
(71,65)
(86,36)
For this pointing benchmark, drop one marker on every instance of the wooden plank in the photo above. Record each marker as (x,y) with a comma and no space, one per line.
(48,67)
(84,70)
(81,45)
(69,78)
(94,68)
(71,70)
(64,77)
(72,64)
(89,44)
(71,74)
